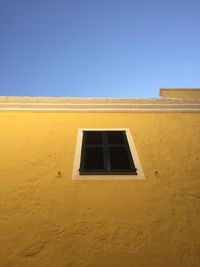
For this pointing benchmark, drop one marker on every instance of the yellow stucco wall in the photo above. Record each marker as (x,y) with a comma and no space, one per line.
(53,221)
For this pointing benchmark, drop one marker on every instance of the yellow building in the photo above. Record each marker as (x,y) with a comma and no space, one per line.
(65,203)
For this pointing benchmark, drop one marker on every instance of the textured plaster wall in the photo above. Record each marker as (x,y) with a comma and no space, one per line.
(47,219)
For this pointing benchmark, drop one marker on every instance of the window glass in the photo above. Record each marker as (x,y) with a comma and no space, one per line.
(119,158)
(93,138)
(115,137)
(93,158)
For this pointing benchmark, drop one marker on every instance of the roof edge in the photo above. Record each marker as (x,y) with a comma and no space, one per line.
(65,104)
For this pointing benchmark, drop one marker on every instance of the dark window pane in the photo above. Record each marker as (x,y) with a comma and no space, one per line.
(115,137)
(93,138)
(93,158)
(119,158)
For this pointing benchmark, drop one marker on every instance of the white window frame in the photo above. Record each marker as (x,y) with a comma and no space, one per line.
(77,159)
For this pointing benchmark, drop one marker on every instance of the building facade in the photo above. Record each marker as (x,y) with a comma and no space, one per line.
(53,216)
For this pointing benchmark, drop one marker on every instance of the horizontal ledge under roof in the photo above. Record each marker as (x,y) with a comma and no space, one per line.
(65,104)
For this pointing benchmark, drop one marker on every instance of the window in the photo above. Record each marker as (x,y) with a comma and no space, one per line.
(106,154)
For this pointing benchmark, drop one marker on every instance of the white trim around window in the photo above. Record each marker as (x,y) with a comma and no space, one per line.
(77,158)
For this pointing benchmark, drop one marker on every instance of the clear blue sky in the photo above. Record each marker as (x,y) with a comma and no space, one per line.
(98,48)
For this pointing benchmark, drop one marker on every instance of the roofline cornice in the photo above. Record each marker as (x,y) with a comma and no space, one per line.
(65,104)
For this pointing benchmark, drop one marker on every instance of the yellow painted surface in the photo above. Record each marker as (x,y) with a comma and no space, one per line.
(180,93)
(49,220)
